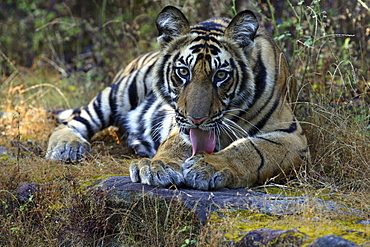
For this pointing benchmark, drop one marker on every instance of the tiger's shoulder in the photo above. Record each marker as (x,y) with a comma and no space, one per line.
(268,54)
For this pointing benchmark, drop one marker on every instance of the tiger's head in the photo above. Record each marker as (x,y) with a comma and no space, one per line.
(203,72)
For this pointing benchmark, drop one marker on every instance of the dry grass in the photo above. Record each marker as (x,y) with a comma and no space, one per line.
(333,100)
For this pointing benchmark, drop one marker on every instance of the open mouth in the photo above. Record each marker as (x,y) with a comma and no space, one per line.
(202,140)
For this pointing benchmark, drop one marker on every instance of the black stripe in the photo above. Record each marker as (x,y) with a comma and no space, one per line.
(260,79)
(262,161)
(157,123)
(291,129)
(241,92)
(147,74)
(257,127)
(214,50)
(164,75)
(304,158)
(98,110)
(197,48)
(232,93)
(147,148)
(141,121)
(121,78)
(303,154)
(133,94)
(209,59)
(260,85)
(199,57)
(148,57)
(188,59)
(113,102)
(204,31)
(211,24)
(217,60)
(93,120)
(207,41)
(268,140)
(90,131)
(76,111)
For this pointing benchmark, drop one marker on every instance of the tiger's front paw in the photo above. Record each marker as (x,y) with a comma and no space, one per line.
(201,174)
(156,172)
(67,145)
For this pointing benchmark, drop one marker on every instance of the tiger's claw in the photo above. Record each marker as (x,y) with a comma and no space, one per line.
(156,172)
(199,174)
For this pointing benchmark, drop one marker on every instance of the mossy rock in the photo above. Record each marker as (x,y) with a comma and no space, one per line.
(238,213)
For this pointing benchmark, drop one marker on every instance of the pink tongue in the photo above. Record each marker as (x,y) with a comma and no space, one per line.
(202,140)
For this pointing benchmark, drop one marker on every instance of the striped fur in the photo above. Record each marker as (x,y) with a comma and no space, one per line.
(223,80)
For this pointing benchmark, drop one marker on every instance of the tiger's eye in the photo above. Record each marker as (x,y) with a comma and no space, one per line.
(221,75)
(183,71)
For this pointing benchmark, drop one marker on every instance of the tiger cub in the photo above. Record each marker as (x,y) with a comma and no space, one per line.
(207,111)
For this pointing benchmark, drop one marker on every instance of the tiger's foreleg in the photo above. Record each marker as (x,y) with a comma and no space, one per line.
(243,163)
(246,162)
(164,169)
(70,140)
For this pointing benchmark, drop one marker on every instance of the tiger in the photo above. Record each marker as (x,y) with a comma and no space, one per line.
(208,110)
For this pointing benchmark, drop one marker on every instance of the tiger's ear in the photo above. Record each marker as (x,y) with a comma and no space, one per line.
(171,23)
(242,29)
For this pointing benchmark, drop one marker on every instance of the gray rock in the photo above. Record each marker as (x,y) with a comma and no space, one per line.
(332,241)
(364,222)
(25,190)
(2,150)
(270,237)
(120,189)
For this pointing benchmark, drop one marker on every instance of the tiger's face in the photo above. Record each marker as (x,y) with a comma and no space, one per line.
(203,74)
(203,86)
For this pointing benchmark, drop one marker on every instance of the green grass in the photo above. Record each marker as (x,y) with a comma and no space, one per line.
(58,68)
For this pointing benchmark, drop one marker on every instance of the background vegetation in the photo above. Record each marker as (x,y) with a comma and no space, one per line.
(59,54)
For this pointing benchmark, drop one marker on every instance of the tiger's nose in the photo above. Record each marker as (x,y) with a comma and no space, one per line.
(197,120)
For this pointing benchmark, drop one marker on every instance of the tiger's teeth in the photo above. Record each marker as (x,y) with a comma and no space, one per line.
(202,140)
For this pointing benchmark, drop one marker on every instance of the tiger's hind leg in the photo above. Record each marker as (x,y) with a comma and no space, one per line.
(67,144)
(70,141)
